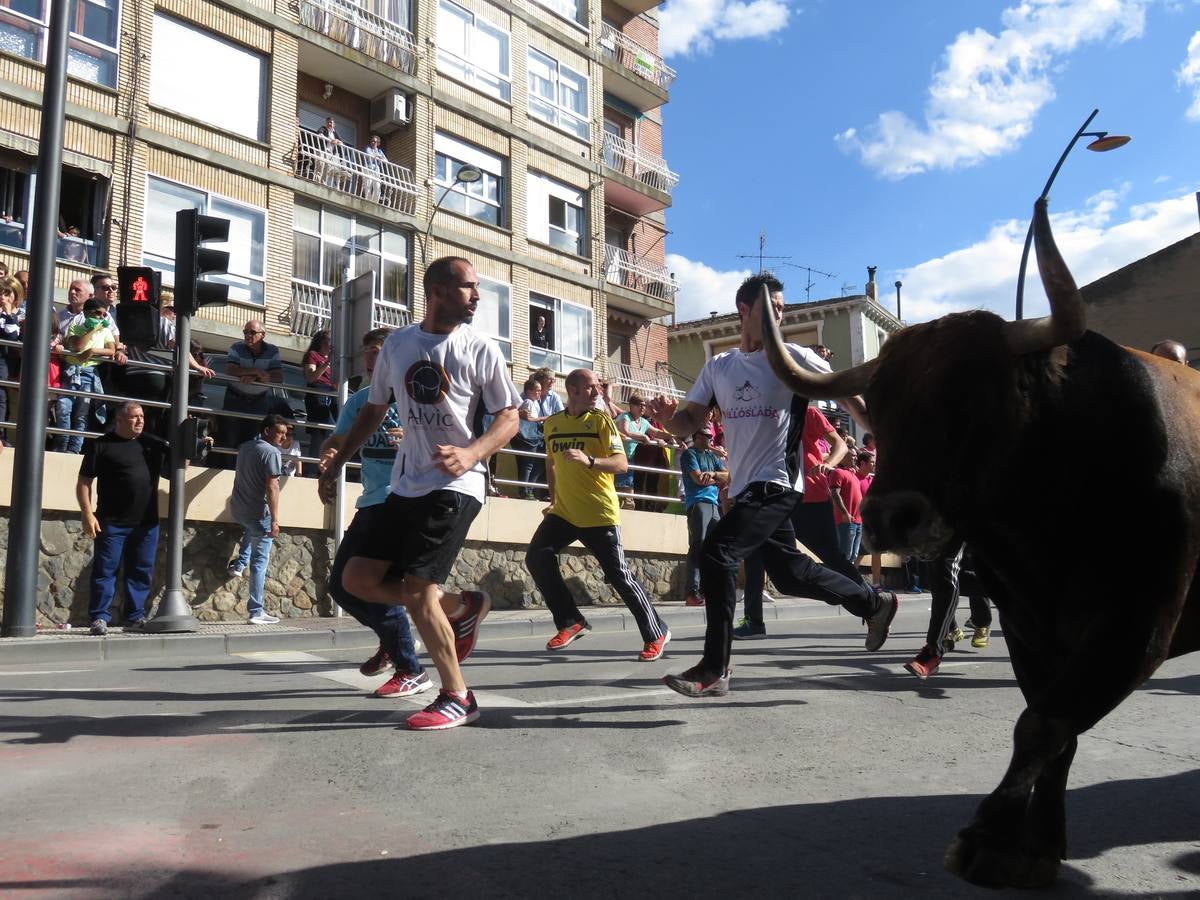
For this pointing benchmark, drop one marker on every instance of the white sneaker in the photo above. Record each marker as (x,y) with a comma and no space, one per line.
(234,569)
(263,619)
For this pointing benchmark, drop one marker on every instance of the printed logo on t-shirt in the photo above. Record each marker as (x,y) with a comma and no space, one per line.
(747,393)
(426,382)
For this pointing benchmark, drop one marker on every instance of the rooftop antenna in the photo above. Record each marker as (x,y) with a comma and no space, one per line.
(762,245)
(847,287)
(810,272)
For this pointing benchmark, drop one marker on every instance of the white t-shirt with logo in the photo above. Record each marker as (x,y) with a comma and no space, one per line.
(763,419)
(438,381)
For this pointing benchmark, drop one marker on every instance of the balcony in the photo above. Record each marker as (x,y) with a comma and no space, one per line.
(636,181)
(312,305)
(368,26)
(637,6)
(638,285)
(634,73)
(630,380)
(349,171)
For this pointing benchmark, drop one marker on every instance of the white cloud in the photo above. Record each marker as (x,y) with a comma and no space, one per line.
(1189,76)
(983,99)
(1094,241)
(691,26)
(702,289)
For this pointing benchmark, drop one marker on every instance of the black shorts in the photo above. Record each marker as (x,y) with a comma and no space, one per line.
(420,536)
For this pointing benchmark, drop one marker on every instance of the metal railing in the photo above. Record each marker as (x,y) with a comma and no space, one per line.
(638,274)
(629,159)
(342,168)
(637,380)
(311,310)
(627,52)
(369,26)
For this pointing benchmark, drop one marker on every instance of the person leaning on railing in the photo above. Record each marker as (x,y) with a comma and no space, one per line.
(87,344)
(11,295)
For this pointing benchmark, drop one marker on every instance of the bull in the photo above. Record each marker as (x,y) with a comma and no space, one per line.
(1092,567)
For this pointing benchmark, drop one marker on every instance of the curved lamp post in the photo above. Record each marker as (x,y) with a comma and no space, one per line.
(1102,143)
(468,174)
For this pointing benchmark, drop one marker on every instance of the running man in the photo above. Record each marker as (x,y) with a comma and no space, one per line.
(583,453)
(390,623)
(437,371)
(763,421)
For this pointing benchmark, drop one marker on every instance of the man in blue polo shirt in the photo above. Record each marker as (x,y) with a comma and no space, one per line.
(378,454)
(703,475)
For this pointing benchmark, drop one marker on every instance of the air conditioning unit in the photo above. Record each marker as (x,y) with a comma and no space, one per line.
(390,111)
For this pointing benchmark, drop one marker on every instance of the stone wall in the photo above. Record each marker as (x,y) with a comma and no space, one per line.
(300,561)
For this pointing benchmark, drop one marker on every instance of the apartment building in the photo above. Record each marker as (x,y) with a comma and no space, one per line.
(552,107)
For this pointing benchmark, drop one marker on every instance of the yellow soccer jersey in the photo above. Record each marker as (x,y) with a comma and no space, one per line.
(584,497)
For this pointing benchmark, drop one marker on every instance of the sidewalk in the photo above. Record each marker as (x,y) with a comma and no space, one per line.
(325,633)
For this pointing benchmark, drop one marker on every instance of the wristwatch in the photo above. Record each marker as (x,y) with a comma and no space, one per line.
(591,461)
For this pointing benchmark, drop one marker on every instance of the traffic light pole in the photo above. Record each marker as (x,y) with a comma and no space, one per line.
(174,612)
(22,561)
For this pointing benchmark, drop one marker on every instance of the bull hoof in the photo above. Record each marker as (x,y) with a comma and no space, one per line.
(998,867)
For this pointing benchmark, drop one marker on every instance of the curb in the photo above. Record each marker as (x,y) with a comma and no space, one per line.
(56,648)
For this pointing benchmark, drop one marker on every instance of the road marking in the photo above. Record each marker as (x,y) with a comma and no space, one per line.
(49,672)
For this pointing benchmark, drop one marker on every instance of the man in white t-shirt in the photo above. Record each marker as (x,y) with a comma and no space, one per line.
(438,371)
(763,425)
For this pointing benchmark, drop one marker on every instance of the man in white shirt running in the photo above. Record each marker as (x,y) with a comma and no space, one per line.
(438,371)
(763,425)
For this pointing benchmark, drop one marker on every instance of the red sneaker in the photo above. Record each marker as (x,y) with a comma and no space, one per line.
(924,663)
(476,605)
(654,649)
(693,600)
(404,685)
(448,711)
(377,664)
(568,635)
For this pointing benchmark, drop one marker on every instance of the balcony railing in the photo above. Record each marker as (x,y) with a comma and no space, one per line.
(368,26)
(350,171)
(312,310)
(638,274)
(627,158)
(625,51)
(630,380)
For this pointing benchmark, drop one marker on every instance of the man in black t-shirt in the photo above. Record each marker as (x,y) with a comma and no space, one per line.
(126,465)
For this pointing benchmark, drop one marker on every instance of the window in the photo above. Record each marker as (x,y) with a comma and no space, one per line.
(92,45)
(556,214)
(80,209)
(246,244)
(326,241)
(473,50)
(232,95)
(573,10)
(14,201)
(570,331)
(493,316)
(558,95)
(483,200)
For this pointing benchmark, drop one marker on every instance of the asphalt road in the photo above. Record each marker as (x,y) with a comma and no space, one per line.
(828,772)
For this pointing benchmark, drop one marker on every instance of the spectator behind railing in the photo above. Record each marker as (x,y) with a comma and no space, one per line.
(11,295)
(79,292)
(88,344)
(257,365)
(529,438)
(372,187)
(321,409)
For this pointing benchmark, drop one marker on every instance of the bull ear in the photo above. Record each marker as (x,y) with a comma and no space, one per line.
(813,385)
(1067,320)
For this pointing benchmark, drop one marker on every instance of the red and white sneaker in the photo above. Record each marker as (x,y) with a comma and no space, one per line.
(404,685)
(448,711)
(377,664)
(476,605)
(654,649)
(568,635)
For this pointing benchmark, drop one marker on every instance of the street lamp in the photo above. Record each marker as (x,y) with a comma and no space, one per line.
(468,174)
(1103,142)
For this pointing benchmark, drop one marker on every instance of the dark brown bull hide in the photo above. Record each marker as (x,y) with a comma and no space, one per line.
(1071,466)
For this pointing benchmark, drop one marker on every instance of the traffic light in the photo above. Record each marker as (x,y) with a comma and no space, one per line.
(196,440)
(137,313)
(193,261)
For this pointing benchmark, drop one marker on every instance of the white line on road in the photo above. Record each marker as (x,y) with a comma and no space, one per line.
(48,672)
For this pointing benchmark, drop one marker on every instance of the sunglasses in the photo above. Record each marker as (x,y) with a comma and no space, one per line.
(251,331)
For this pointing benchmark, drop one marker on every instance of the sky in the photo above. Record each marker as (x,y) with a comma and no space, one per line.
(916,136)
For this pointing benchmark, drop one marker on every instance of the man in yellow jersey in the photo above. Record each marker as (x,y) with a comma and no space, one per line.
(583,453)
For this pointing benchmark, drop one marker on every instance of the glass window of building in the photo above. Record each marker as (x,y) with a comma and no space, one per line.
(493,316)
(473,50)
(93,43)
(327,241)
(232,96)
(483,199)
(569,327)
(572,10)
(247,236)
(80,209)
(557,214)
(558,94)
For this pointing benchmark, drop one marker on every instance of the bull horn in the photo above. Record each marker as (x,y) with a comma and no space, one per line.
(813,385)
(1067,320)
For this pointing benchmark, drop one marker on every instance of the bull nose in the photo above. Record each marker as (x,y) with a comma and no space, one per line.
(893,521)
